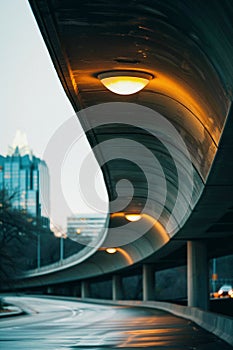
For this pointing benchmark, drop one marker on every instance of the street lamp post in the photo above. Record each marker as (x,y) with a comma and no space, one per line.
(38,250)
(61,249)
(38,245)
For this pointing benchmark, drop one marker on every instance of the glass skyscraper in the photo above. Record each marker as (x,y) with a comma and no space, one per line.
(25,178)
(85,228)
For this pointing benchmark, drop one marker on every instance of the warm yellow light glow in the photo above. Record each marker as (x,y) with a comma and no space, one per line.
(123,252)
(117,215)
(124,85)
(158,226)
(191,100)
(125,82)
(154,223)
(133,217)
(78,231)
(111,250)
(126,255)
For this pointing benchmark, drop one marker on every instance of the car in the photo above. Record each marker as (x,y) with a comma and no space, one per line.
(225,291)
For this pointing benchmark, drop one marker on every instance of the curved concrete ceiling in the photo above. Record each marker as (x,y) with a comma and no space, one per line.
(187,47)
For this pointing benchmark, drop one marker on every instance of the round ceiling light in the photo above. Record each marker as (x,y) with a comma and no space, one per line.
(125,82)
(133,217)
(111,250)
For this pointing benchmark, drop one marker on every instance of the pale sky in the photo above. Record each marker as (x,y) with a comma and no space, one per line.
(32,98)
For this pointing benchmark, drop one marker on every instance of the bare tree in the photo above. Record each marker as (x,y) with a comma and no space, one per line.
(17,238)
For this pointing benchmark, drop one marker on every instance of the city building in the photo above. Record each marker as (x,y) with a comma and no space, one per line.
(85,228)
(25,178)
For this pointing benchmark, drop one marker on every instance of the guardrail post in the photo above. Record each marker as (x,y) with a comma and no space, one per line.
(198,275)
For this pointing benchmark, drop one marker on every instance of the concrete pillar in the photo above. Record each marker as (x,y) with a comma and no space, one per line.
(85,289)
(117,287)
(75,291)
(50,290)
(148,282)
(198,275)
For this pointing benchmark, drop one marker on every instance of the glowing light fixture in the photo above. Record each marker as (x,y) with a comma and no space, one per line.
(78,231)
(125,82)
(133,217)
(111,250)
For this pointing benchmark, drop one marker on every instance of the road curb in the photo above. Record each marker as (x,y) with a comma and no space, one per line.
(14,311)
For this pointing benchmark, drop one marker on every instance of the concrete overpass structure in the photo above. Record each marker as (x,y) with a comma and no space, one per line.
(184,117)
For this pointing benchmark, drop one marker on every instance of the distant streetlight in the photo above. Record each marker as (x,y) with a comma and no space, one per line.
(61,249)
(34,223)
(38,248)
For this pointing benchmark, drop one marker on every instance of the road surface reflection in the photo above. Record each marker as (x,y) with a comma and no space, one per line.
(62,324)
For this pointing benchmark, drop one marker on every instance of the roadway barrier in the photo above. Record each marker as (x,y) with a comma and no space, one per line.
(219,325)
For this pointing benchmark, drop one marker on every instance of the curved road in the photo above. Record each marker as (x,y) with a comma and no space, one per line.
(61,324)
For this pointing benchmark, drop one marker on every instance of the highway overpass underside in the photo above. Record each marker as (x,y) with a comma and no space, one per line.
(171,141)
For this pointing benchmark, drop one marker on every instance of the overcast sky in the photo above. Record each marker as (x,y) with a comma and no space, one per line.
(32,98)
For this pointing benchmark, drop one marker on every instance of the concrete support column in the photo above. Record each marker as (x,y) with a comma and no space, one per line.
(50,290)
(85,289)
(148,282)
(75,291)
(117,287)
(198,275)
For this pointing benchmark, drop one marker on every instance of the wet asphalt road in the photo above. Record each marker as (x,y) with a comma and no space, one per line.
(59,324)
